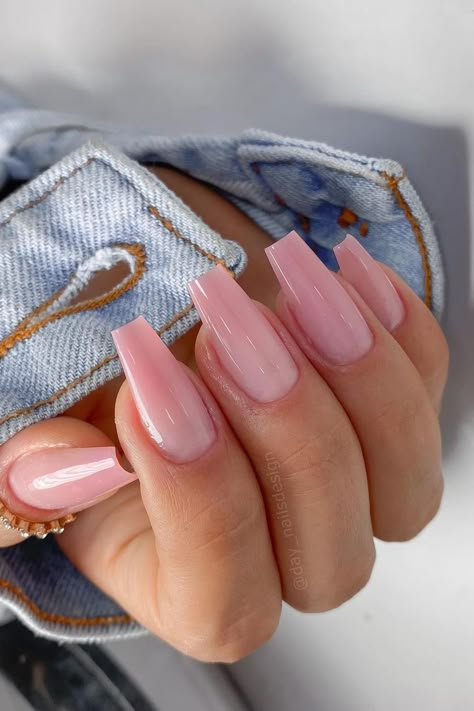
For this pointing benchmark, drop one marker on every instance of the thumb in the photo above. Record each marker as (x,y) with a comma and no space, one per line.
(51,470)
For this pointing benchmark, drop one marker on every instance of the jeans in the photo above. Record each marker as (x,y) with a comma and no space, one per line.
(85,204)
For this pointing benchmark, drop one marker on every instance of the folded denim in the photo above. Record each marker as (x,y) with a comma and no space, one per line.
(85,205)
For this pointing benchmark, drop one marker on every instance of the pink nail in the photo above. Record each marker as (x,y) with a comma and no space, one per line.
(247,345)
(167,400)
(66,477)
(365,275)
(322,307)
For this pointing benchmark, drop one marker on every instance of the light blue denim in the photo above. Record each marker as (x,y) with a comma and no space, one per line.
(87,203)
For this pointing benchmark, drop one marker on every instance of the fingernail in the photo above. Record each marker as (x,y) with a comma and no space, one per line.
(167,400)
(246,343)
(321,306)
(66,477)
(370,280)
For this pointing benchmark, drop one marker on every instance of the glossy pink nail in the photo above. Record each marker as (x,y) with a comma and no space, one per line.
(66,477)
(246,343)
(167,400)
(365,275)
(321,306)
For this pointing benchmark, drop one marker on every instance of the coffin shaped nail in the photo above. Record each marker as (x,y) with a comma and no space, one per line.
(322,307)
(246,343)
(168,402)
(370,280)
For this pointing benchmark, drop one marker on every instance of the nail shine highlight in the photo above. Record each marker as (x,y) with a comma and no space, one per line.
(66,477)
(322,307)
(247,345)
(169,404)
(370,280)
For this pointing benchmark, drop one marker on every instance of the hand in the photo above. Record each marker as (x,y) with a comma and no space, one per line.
(297,452)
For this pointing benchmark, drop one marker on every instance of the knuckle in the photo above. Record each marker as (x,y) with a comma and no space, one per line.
(410,527)
(402,415)
(227,639)
(219,524)
(431,507)
(338,588)
(324,453)
(409,427)
(228,525)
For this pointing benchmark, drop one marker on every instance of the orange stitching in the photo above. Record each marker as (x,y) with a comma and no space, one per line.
(62,619)
(364,229)
(58,393)
(24,330)
(392,183)
(346,218)
(85,375)
(175,318)
(304,222)
(46,194)
(171,228)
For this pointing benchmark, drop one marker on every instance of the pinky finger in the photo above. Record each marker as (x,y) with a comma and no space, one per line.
(401,311)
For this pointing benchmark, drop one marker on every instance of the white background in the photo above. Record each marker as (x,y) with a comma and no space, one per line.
(384,78)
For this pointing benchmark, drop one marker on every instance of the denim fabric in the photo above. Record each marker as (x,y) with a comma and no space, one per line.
(90,211)
(88,204)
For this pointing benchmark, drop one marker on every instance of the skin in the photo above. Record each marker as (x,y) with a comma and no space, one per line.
(197,552)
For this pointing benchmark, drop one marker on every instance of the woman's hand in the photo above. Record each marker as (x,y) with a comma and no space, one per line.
(310,429)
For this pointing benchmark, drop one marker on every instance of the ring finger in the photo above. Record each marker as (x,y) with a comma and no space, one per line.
(374,379)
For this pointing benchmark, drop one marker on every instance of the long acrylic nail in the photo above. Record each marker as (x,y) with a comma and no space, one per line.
(322,307)
(66,477)
(365,275)
(167,400)
(246,343)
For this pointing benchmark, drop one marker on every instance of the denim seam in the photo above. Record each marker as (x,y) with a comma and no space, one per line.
(168,225)
(340,155)
(393,184)
(47,193)
(62,619)
(170,228)
(25,329)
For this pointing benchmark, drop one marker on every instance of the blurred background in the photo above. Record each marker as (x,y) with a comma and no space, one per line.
(392,79)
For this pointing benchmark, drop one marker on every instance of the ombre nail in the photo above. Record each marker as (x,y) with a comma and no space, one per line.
(370,280)
(320,304)
(246,344)
(167,400)
(66,477)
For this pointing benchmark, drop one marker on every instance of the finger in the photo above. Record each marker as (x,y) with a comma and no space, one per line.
(204,578)
(402,313)
(376,383)
(54,468)
(300,440)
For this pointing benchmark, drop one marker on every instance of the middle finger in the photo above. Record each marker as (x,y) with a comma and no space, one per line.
(308,459)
